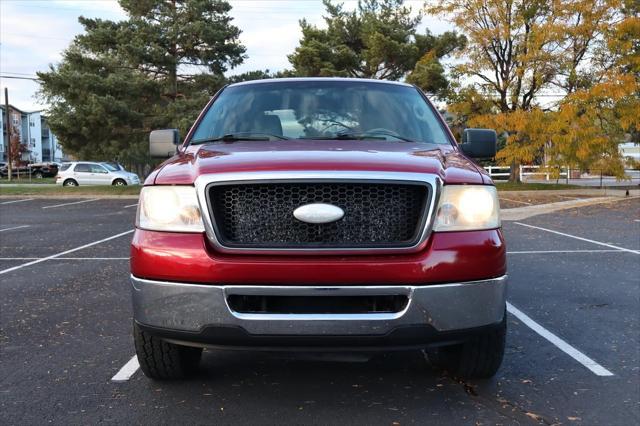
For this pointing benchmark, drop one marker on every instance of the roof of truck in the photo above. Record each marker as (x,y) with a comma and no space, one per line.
(293,79)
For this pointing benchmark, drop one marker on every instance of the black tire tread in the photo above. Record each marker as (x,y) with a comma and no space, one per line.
(479,357)
(161,360)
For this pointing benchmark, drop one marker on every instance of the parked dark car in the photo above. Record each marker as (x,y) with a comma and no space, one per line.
(35,170)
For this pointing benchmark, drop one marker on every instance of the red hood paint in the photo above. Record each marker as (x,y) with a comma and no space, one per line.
(441,160)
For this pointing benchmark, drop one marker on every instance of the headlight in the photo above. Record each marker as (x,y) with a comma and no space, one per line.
(467,207)
(169,208)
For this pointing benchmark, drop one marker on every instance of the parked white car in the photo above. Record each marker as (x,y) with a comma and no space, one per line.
(90,173)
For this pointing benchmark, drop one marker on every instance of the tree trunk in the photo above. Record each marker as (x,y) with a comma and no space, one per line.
(173,51)
(514,174)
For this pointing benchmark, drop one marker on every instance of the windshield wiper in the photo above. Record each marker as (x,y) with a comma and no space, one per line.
(242,136)
(357,136)
(371,135)
(376,135)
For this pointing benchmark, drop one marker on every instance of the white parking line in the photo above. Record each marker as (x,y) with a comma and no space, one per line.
(15,227)
(131,205)
(596,368)
(128,370)
(515,201)
(18,201)
(33,262)
(579,238)
(68,204)
(563,251)
(66,258)
(569,198)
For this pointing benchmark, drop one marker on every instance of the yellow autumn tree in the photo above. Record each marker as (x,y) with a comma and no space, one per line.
(511,46)
(518,49)
(527,133)
(592,121)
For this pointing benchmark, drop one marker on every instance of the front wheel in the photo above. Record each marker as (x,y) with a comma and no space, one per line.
(479,357)
(119,182)
(162,360)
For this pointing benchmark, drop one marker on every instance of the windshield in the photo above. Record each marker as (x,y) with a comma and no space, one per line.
(320,110)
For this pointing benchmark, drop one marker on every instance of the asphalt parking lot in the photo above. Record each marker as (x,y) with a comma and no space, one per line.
(573,348)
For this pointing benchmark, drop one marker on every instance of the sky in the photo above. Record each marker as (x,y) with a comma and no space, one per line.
(34,33)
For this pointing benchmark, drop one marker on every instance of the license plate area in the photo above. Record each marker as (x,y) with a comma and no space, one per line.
(330,304)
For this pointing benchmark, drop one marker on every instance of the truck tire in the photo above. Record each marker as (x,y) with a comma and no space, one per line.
(161,360)
(478,358)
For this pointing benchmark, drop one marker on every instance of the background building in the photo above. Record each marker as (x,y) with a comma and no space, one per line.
(40,143)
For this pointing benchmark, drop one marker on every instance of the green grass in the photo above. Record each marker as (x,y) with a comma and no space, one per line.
(4,180)
(509,186)
(70,191)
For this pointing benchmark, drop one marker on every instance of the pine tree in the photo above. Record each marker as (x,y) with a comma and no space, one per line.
(156,69)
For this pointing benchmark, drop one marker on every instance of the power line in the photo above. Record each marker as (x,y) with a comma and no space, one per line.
(20,78)
(17,73)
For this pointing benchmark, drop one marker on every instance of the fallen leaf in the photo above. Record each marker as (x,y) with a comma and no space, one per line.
(533,416)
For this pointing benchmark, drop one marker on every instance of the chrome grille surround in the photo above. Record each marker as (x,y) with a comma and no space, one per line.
(433,182)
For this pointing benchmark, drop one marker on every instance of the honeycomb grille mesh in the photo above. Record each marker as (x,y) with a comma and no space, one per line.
(261,215)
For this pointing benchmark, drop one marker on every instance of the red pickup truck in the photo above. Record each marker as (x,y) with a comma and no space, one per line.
(319,214)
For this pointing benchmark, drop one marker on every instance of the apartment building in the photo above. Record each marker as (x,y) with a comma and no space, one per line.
(35,135)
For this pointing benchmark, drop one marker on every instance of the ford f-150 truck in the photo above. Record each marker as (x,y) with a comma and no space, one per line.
(319,214)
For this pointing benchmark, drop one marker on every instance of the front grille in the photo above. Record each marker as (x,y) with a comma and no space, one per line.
(260,215)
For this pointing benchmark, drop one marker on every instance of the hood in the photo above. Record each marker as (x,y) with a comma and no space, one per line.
(124,174)
(441,160)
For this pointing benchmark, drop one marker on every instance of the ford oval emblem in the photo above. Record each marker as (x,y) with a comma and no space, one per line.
(318,213)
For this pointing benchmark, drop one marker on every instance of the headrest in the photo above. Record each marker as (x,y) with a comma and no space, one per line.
(269,124)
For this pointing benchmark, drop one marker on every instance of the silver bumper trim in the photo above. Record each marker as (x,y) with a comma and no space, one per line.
(445,307)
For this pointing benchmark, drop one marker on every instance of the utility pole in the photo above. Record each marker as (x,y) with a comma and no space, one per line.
(6,114)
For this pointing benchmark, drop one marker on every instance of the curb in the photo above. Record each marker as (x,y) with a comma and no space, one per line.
(604,192)
(520,213)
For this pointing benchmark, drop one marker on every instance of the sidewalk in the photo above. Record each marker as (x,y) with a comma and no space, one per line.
(521,213)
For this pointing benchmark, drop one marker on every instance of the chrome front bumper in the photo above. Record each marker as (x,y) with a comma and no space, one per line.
(194,307)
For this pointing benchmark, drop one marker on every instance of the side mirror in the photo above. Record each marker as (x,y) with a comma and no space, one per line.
(164,143)
(479,143)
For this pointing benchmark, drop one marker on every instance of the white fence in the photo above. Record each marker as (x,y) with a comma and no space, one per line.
(499,172)
(525,172)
